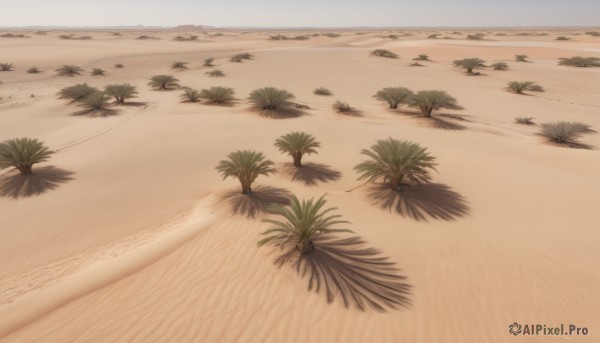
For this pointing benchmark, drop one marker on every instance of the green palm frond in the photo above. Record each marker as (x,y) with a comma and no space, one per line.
(23,153)
(297,144)
(394,96)
(246,166)
(430,100)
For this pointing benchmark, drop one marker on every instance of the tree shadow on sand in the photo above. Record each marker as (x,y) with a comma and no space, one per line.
(256,202)
(310,173)
(282,113)
(420,202)
(40,181)
(438,121)
(344,267)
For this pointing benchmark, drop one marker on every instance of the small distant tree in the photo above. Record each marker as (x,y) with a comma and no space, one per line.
(470,63)
(33,70)
(217,95)
(394,96)
(190,95)
(97,101)
(297,144)
(119,66)
(383,53)
(519,87)
(216,73)
(208,62)
(77,92)
(524,120)
(246,166)
(23,153)
(69,70)
(97,72)
(179,65)
(6,66)
(422,57)
(499,66)
(521,58)
(162,82)
(322,91)
(428,101)
(270,98)
(121,92)
(477,36)
(581,62)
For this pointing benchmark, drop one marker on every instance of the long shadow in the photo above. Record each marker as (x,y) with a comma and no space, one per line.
(96,113)
(40,181)
(344,267)
(256,202)
(437,122)
(420,202)
(310,173)
(282,113)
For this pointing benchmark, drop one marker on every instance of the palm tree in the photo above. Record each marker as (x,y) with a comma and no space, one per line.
(469,64)
(383,53)
(270,98)
(519,87)
(33,70)
(208,62)
(163,82)
(582,62)
(499,66)
(191,95)
(23,153)
(77,92)
(393,161)
(521,58)
(6,66)
(217,95)
(121,92)
(393,95)
(427,101)
(562,131)
(246,165)
(97,72)
(179,65)
(69,70)
(302,222)
(296,144)
(97,101)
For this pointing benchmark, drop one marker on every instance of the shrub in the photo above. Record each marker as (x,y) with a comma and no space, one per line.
(562,38)
(185,39)
(236,59)
(163,82)
(279,37)
(520,87)
(246,166)
(470,63)
(562,131)
(216,73)
(97,101)
(208,62)
(593,33)
(477,36)
(581,62)
(77,92)
(6,66)
(23,153)
(12,35)
(332,35)
(33,70)
(393,161)
(428,101)
(97,72)
(322,91)
(119,66)
(524,120)
(434,36)
(500,66)
(217,95)
(302,222)
(69,70)
(521,58)
(179,65)
(144,37)
(394,96)
(240,57)
(383,53)
(415,64)
(340,106)
(269,98)
(422,57)
(190,95)
(296,144)
(121,92)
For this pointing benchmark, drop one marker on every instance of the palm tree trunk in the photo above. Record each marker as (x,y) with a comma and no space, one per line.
(305,246)
(297,156)
(396,182)
(246,187)
(25,169)
(427,111)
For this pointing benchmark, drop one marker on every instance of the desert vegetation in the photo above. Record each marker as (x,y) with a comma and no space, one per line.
(394,96)
(521,58)
(97,101)
(476,36)
(33,70)
(23,153)
(593,33)
(119,66)
(518,87)
(217,95)
(302,222)
(185,39)
(270,98)
(12,35)
(322,91)
(383,53)
(524,120)
(69,70)
(216,73)
(97,72)
(246,166)
(470,63)
(145,37)
(179,65)
(578,61)
(121,92)
(77,92)
(6,66)
(208,62)
(394,162)
(341,107)
(297,144)
(499,66)
(190,95)
(430,100)
(422,57)
(163,82)
(434,36)
(332,35)
(562,38)
(563,132)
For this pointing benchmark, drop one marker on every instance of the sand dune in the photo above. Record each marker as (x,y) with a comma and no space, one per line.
(128,234)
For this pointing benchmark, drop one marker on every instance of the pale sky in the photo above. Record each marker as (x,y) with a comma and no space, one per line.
(287,13)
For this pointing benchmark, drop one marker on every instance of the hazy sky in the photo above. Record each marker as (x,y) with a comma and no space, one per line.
(269,13)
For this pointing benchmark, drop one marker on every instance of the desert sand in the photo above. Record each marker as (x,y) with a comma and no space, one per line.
(128,233)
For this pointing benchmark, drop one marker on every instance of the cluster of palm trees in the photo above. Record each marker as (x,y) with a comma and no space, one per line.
(95,99)
(391,161)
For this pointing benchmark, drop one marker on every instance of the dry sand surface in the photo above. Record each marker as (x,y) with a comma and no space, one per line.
(128,234)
